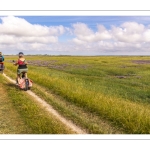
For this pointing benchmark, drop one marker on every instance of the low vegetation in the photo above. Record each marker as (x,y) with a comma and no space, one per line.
(103,95)
(21,115)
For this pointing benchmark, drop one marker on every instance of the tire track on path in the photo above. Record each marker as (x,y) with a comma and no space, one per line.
(50,110)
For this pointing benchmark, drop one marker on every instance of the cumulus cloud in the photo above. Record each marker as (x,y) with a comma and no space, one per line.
(14,29)
(18,34)
(129,32)
(84,34)
(128,36)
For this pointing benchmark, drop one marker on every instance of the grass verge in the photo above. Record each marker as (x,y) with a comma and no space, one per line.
(35,119)
(10,121)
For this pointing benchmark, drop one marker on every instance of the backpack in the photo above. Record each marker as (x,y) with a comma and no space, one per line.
(20,62)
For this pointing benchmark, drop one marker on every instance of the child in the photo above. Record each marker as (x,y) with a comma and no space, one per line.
(22,66)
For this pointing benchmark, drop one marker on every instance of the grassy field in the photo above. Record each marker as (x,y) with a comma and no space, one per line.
(103,95)
(21,115)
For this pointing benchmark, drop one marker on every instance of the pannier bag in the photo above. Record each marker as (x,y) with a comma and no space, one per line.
(22,83)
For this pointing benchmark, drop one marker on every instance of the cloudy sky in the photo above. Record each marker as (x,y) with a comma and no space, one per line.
(75,35)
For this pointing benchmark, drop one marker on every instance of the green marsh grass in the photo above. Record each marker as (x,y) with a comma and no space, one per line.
(10,120)
(114,88)
(33,117)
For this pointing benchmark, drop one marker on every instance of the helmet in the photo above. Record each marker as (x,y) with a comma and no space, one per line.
(20,53)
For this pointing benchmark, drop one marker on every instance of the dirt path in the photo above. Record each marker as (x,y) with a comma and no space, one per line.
(50,110)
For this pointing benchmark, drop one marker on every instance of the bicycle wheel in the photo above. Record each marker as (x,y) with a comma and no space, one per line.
(26,84)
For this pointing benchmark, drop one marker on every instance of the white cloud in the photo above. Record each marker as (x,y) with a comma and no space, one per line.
(130,32)
(85,34)
(14,29)
(17,34)
(102,33)
(129,36)
(7,39)
(146,35)
(81,29)
(77,41)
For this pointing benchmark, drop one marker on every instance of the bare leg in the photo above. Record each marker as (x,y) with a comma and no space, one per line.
(25,75)
(18,77)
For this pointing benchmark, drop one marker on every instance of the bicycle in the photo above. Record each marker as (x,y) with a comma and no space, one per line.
(24,82)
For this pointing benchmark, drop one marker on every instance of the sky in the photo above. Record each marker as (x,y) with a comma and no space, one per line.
(75,35)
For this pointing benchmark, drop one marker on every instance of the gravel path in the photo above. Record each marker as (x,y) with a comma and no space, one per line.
(50,110)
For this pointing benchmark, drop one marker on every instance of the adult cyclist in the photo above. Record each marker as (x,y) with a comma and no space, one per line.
(22,66)
(1,62)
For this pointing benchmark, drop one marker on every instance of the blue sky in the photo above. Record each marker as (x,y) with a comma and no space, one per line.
(75,35)
(107,21)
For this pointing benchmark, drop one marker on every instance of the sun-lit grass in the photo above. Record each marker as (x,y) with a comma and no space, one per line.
(10,120)
(33,119)
(114,88)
